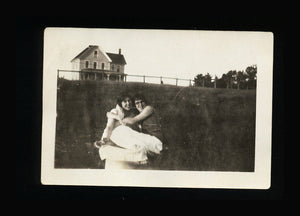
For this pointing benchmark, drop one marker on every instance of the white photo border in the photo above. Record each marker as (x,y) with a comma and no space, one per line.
(259,179)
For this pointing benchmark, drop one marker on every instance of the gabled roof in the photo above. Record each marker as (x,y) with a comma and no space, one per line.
(112,57)
(116,58)
(85,52)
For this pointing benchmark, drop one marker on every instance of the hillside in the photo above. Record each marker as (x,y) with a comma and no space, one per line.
(204,129)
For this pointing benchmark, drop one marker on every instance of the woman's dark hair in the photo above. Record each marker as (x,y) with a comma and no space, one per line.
(122,97)
(140,97)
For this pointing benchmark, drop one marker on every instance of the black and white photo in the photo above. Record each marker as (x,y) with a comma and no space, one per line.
(157,108)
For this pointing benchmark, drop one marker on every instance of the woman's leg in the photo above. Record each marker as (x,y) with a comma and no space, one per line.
(130,139)
(151,143)
(123,136)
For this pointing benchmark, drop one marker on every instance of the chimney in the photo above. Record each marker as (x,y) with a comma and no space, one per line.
(119,51)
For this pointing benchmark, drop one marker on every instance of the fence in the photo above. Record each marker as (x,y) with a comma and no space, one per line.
(99,74)
(116,76)
(160,80)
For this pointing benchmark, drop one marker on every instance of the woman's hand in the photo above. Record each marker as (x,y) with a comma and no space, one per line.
(100,143)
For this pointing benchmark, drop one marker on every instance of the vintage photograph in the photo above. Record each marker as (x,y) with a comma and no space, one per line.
(169,104)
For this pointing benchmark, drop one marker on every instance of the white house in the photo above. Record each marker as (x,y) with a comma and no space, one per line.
(93,63)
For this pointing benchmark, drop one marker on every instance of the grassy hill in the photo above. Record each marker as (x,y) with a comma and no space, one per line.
(204,129)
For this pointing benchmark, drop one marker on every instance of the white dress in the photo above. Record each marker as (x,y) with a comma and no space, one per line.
(131,146)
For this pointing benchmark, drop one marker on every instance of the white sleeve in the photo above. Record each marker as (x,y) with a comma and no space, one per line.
(107,130)
(114,111)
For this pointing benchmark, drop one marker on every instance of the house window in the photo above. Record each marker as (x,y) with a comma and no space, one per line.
(102,66)
(95,65)
(95,54)
(112,67)
(118,69)
(86,64)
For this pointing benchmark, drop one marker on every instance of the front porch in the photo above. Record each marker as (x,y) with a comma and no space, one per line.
(98,74)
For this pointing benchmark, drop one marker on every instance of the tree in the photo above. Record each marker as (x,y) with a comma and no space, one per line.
(251,71)
(225,78)
(240,78)
(221,82)
(207,80)
(203,81)
(199,80)
(229,78)
(216,81)
(251,76)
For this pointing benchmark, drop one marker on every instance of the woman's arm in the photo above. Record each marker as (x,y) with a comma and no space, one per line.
(108,129)
(147,111)
(113,116)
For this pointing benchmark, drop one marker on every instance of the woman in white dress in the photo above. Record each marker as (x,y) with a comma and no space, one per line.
(122,139)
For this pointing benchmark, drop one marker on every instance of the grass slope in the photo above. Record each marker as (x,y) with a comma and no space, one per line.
(204,129)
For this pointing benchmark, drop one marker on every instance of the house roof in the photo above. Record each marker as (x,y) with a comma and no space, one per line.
(114,58)
(81,53)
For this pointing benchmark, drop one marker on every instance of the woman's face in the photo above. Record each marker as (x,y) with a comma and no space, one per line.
(139,104)
(126,104)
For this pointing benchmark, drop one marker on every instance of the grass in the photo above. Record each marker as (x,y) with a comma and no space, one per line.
(204,129)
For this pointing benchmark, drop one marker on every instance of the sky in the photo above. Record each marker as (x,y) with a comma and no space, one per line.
(169,53)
